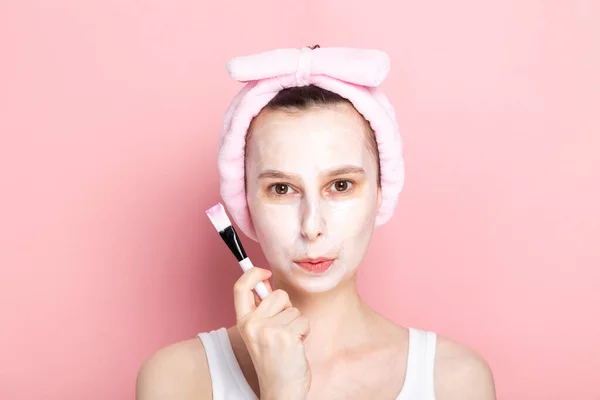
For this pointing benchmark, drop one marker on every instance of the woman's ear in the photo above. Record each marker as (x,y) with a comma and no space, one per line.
(379,197)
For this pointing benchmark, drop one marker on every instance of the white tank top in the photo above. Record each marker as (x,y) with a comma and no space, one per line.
(228,382)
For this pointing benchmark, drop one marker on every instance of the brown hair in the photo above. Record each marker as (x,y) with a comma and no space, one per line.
(298,98)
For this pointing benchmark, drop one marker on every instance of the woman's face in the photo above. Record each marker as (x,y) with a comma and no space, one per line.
(311,185)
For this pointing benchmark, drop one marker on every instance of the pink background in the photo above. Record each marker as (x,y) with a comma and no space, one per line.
(110,112)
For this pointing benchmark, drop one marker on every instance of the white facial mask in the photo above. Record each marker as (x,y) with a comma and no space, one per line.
(298,208)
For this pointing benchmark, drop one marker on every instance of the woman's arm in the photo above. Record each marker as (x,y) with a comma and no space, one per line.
(179,371)
(461,373)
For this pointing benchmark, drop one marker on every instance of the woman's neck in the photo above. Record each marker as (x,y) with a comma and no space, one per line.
(339,319)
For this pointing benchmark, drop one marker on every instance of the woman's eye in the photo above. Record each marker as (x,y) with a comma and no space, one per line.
(281,189)
(341,186)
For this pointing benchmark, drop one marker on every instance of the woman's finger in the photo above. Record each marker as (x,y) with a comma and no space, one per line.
(273,304)
(243,293)
(286,316)
(300,326)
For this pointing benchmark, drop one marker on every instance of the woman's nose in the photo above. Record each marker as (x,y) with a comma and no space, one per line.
(312,221)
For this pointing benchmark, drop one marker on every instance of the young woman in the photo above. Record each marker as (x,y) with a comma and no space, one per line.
(318,166)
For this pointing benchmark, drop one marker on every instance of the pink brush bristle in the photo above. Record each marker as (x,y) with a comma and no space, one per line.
(218,217)
(217,208)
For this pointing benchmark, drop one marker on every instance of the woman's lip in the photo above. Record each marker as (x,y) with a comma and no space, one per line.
(315,267)
(314,260)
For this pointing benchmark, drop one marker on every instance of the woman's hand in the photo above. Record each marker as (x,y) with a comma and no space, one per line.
(274,333)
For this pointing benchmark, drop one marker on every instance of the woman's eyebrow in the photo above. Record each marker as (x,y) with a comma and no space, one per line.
(275,174)
(343,170)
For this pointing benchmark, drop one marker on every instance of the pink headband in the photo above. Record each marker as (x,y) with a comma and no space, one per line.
(352,73)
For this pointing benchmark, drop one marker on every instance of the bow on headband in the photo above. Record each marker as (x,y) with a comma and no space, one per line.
(365,67)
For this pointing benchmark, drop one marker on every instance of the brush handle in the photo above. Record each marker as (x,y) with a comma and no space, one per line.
(260,287)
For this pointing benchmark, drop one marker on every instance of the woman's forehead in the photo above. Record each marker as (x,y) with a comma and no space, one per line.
(324,135)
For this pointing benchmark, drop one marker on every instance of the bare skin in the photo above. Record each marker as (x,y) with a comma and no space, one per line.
(333,345)
(180,371)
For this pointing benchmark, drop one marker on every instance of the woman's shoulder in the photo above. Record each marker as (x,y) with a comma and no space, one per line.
(179,370)
(461,372)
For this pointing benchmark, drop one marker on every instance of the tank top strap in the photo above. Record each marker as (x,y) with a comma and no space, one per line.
(228,382)
(419,379)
